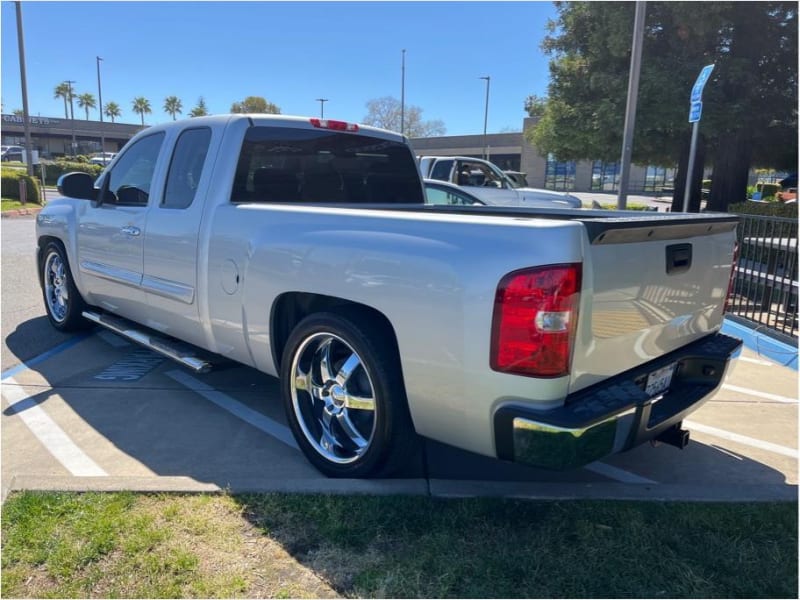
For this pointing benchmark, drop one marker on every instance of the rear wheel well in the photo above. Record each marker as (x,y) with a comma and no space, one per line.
(292,307)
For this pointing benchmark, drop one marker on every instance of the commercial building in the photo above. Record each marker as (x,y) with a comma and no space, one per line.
(53,137)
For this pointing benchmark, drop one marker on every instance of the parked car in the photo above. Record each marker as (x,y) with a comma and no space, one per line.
(517,179)
(447,194)
(303,248)
(12,153)
(486,181)
(102,158)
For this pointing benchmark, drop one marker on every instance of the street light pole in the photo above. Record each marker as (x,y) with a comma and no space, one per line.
(322,102)
(26,124)
(486,117)
(403,93)
(630,107)
(72,115)
(100,99)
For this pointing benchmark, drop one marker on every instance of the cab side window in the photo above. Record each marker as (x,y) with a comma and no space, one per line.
(186,167)
(441,170)
(128,184)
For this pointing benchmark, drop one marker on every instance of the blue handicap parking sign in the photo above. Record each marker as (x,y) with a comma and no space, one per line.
(695,110)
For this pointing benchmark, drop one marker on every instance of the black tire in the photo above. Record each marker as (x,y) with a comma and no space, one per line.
(62,301)
(328,406)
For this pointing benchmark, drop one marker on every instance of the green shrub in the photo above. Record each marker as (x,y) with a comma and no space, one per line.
(766,209)
(56,169)
(9,185)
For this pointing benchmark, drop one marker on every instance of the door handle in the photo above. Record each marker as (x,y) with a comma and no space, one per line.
(131,230)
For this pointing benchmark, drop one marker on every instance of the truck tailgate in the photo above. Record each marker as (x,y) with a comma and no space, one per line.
(649,287)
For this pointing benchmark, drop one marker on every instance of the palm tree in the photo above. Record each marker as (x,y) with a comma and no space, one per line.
(200,110)
(172,106)
(63,90)
(86,101)
(141,105)
(112,110)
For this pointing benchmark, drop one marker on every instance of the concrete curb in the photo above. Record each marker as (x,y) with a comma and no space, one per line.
(437,488)
(765,345)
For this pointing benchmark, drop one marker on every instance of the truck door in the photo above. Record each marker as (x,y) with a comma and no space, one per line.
(171,241)
(111,231)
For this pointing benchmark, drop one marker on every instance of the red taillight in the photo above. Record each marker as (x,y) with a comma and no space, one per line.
(335,125)
(732,278)
(535,315)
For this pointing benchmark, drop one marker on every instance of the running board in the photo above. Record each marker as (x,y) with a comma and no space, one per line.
(169,347)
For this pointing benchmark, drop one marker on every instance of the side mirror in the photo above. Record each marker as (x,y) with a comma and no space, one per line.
(77,185)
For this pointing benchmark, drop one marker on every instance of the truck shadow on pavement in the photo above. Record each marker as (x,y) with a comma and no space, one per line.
(128,411)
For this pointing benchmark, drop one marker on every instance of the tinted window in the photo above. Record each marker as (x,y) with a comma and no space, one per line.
(441,170)
(436,195)
(186,167)
(284,164)
(129,181)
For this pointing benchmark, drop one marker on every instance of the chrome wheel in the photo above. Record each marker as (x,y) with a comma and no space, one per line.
(333,398)
(56,289)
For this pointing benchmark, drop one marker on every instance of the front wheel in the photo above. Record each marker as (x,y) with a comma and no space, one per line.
(344,398)
(62,300)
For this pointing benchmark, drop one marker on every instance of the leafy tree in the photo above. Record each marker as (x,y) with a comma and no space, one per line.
(18,112)
(255,104)
(749,105)
(173,106)
(112,110)
(141,105)
(86,101)
(63,90)
(534,106)
(385,113)
(200,110)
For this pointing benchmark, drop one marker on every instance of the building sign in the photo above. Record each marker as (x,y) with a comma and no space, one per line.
(42,121)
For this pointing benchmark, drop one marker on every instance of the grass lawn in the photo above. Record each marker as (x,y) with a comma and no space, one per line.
(139,545)
(10,204)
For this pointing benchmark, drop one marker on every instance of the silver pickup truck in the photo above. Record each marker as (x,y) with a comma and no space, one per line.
(303,248)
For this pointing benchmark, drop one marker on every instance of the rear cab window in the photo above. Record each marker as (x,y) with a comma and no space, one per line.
(286,164)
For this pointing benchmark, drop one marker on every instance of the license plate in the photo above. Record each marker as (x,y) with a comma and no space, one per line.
(658,381)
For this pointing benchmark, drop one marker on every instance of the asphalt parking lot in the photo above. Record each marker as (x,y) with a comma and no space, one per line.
(93,411)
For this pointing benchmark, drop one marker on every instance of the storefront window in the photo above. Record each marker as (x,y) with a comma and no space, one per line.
(657,178)
(559,176)
(605,176)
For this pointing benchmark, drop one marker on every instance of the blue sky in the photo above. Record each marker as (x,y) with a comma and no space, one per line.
(288,52)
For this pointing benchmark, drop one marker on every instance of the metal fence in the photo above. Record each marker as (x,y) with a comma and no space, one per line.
(765,279)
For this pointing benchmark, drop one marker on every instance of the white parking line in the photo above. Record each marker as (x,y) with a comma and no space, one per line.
(617,473)
(236,408)
(758,394)
(47,431)
(742,439)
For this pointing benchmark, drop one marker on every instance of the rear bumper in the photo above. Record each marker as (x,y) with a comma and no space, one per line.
(616,414)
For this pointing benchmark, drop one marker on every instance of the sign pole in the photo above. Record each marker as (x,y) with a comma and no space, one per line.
(690,168)
(695,112)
